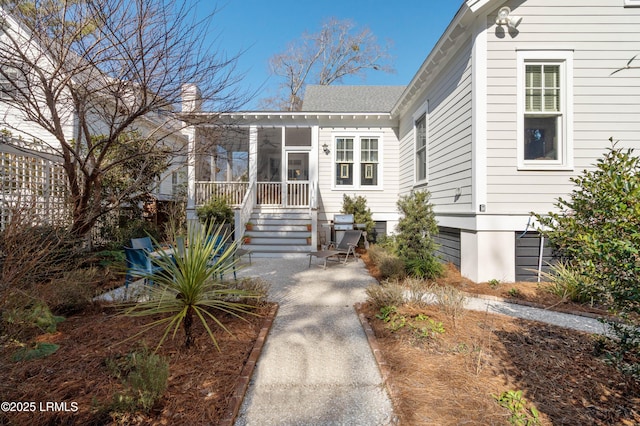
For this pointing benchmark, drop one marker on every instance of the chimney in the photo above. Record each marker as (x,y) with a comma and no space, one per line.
(191,98)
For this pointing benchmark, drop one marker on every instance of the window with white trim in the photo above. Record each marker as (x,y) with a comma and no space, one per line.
(357,161)
(421,148)
(544,110)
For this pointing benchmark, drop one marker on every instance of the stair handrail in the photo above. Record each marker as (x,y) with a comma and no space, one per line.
(242,214)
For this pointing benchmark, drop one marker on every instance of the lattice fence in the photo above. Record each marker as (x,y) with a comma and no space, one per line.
(30,180)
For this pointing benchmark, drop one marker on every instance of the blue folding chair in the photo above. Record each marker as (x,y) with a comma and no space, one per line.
(220,246)
(142,243)
(139,264)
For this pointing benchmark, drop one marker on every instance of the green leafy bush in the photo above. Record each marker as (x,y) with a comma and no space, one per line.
(416,229)
(597,233)
(357,206)
(217,211)
(597,230)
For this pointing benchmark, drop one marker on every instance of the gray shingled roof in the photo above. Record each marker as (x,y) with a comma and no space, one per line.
(351,98)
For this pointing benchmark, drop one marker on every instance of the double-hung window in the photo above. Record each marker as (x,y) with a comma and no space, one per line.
(421,148)
(357,161)
(544,110)
(344,161)
(369,161)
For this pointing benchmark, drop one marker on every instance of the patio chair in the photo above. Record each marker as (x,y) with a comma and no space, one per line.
(139,265)
(345,247)
(220,246)
(142,243)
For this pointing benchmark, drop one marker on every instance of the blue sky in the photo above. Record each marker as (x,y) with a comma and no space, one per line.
(262,28)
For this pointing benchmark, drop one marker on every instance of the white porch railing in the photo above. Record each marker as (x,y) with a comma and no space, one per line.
(298,194)
(288,194)
(233,192)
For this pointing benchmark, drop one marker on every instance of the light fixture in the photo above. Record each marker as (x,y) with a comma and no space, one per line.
(505,18)
(325,148)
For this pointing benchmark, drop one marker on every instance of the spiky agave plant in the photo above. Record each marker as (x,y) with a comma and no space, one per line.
(187,288)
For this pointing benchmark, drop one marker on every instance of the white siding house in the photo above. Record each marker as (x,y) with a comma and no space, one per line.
(501,114)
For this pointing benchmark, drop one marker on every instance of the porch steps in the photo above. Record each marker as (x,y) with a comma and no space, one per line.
(279,232)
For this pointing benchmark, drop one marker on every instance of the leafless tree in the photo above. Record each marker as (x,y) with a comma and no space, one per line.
(323,58)
(113,71)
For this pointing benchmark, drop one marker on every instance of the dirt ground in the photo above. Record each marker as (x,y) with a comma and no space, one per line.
(454,377)
(437,378)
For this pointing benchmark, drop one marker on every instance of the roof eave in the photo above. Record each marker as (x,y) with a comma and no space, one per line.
(457,27)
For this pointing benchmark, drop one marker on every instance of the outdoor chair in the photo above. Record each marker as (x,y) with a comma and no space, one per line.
(139,264)
(220,246)
(346,246)
(142,243)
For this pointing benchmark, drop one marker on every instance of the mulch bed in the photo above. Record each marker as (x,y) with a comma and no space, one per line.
(202,380)
(452,378)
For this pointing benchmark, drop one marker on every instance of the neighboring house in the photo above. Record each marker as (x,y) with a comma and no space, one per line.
(499,117)
(30,156)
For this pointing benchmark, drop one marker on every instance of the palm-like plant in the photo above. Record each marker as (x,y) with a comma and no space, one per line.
(188,287)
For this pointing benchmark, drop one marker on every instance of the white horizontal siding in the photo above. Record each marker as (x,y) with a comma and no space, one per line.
(603,36)
(449,136)
(382,202)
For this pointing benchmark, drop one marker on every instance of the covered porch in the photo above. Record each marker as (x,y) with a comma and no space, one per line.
(254,166)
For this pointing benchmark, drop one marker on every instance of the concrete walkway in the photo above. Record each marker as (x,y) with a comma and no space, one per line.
(316,367)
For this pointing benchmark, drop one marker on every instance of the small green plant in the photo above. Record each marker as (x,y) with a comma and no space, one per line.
(517,406)
(39,350)
(386,312)
(396,322)
(38,316)
(514,292)
(145,376)
(493,283)
(566,282)
(429,330)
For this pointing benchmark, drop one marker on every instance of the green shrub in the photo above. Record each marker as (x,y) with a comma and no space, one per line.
(596,230)
(145,376)
(416,229)
(566,282)
(35,316)
(357,206)
(216,211)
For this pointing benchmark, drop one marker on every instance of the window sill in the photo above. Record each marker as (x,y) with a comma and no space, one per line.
(545,167)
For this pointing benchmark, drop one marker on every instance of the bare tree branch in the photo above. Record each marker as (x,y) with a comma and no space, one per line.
(97,75)
(324,58)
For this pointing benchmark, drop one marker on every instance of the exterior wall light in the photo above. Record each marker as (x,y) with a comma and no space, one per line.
(505,18)
(325,148)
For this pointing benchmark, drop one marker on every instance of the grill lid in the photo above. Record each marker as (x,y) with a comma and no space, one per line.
(342,218)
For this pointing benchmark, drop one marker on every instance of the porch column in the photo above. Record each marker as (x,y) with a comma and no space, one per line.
(253,154)
(190,132)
